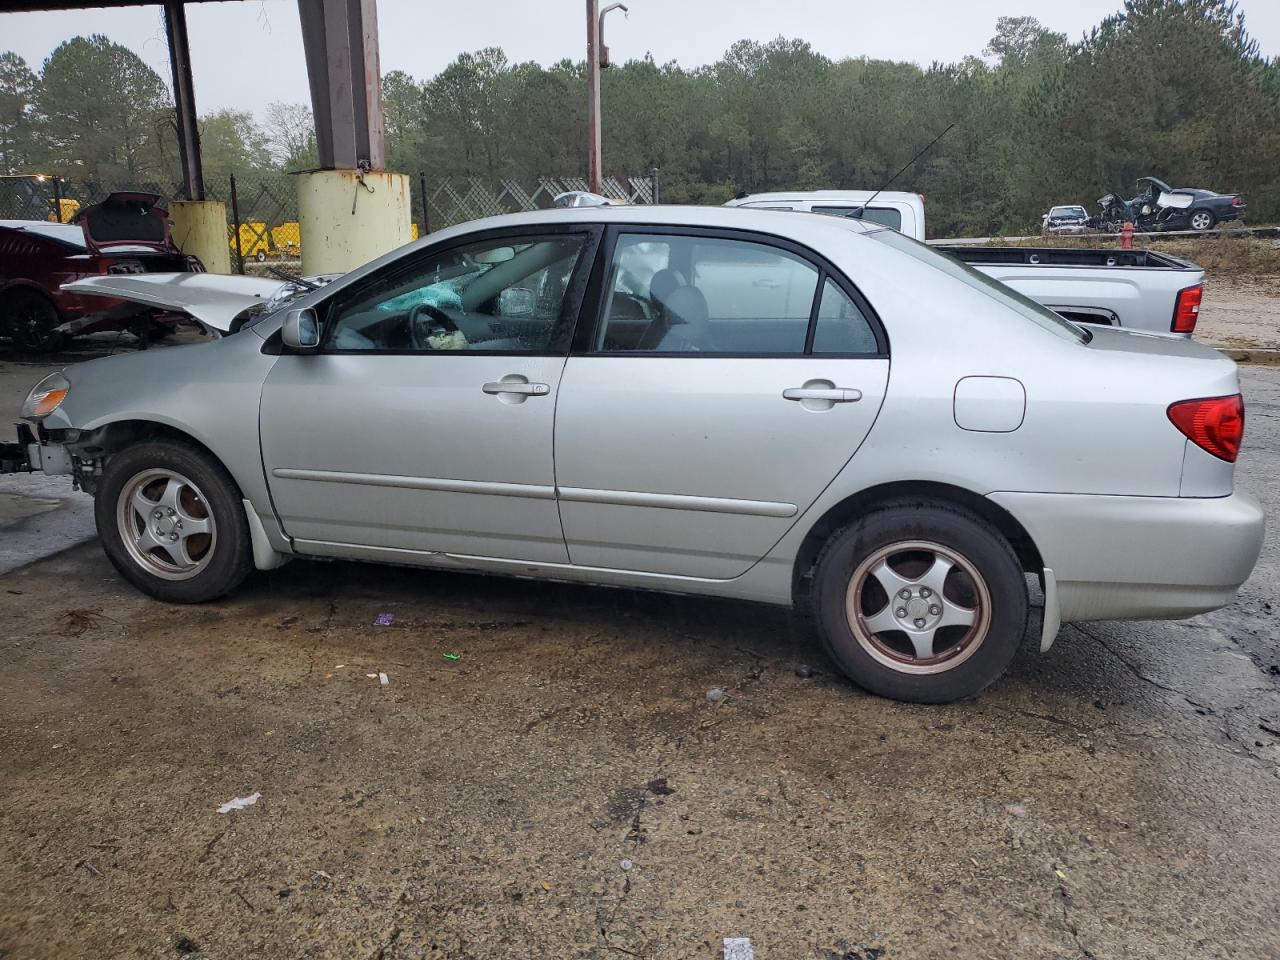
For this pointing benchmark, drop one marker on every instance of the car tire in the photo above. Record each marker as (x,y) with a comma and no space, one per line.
(32,321)
(172,521)
(964,620)
(1201,220)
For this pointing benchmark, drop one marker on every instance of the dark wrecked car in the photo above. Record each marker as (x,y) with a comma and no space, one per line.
(1158,206)
(127,233)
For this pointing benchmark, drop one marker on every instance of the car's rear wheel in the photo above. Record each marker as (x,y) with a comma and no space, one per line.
(172,522)
(920,602)
(1202,220)
(32,321)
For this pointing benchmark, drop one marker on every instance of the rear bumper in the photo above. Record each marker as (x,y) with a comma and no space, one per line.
(1141,557)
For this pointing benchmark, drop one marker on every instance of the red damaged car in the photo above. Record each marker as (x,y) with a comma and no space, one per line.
(125,233)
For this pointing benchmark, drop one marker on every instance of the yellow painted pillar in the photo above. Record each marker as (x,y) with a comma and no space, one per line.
(347,218)
(200,229)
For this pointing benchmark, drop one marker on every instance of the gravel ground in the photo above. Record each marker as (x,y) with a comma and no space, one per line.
(565,788)
(1241,313)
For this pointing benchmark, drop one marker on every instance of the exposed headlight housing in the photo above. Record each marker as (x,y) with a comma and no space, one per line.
(45,397)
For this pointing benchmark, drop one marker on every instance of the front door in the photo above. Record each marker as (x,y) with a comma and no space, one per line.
(424,422)
(726,382)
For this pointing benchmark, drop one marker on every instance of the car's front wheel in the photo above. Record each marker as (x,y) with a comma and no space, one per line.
(920,602)
(172,522)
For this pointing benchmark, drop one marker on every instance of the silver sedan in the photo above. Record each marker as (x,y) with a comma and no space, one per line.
(803,411)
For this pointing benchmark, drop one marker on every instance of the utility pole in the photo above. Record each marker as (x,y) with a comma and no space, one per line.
(597,57)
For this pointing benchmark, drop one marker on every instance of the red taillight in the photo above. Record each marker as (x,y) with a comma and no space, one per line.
(1186,309)
(1237,202)
(1214,424)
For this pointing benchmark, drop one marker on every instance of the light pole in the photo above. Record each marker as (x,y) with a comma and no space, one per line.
(597,57)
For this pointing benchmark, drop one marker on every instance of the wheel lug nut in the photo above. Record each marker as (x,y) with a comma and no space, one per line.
(925,592)
(904,594)
(174,537)
(900,613)
(919,622)
(935,609)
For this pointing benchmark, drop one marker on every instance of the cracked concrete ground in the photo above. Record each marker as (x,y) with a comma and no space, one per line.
(1115,798)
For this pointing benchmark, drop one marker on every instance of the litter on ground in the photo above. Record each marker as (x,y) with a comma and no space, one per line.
(239,803)
(384,619)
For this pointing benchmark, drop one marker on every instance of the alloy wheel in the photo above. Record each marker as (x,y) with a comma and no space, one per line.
(166,525)
(918,607)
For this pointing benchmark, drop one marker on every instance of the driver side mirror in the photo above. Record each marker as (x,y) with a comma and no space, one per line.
(301,331)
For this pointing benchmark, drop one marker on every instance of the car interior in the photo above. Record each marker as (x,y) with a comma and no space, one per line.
(484,297)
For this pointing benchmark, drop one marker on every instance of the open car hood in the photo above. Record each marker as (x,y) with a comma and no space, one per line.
(127,222)
(212,299)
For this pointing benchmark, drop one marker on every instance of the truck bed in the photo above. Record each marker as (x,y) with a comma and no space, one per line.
(1135,289)
(1066,257)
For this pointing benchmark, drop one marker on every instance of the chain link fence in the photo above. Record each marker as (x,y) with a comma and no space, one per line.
(262,206)
(453,201)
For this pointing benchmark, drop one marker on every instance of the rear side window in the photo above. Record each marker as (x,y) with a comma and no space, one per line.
(687,294)
(886,216)
(841,326)
(682,294)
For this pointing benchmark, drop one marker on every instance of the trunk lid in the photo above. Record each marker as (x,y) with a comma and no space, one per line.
(127,222)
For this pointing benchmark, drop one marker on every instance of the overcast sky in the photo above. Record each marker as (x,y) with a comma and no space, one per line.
(247,53)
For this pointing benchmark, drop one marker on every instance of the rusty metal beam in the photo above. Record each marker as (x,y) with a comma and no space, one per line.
(340,40)
(184,99)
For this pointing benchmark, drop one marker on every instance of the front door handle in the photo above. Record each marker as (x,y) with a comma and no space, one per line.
(513,388)
(830,394)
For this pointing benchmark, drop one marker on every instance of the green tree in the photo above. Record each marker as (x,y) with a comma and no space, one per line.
(231,142)
(17,88)
(404,108)
(104,114)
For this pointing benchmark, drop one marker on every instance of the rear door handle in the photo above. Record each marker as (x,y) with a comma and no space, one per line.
(830,394)
(508,386)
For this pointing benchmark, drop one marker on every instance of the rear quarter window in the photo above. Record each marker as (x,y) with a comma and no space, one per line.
(975,279)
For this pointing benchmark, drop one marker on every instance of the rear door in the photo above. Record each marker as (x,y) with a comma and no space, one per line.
(696,422)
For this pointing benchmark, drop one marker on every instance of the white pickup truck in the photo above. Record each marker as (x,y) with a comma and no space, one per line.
(1137,289)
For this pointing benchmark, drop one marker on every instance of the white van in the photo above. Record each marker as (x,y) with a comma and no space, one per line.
(902,211)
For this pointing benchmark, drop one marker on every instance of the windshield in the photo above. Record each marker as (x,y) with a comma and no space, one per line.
(1067,212)
(1041,316)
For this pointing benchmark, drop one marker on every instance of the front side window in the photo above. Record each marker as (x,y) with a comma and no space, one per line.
(504,295)
(688,294)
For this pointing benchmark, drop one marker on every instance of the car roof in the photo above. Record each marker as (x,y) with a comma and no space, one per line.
(67,233)
(780,222)
(856,196)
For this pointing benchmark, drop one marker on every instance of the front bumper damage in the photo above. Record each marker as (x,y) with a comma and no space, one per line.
(35,450)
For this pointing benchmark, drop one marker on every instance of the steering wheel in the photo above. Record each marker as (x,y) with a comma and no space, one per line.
(425,321)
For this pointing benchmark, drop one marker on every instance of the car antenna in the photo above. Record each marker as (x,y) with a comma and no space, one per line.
(863,206)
